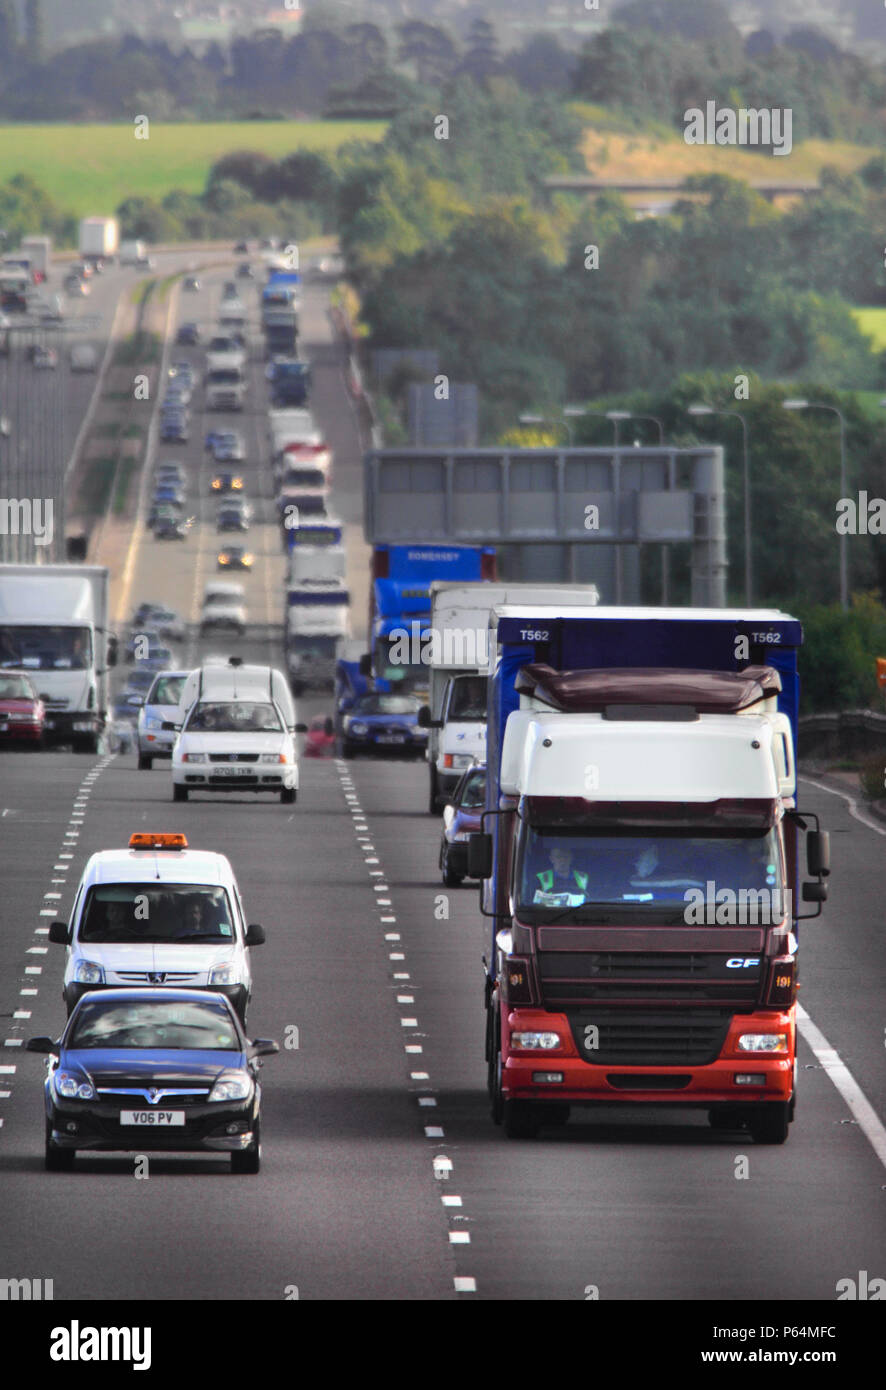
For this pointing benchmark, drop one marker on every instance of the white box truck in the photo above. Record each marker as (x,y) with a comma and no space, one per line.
(99,238)
(317,626)
(459,666)
(54,625)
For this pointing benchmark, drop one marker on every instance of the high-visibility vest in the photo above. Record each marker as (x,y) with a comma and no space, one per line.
(546,879)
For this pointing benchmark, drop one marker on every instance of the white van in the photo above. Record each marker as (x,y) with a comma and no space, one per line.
(236,732)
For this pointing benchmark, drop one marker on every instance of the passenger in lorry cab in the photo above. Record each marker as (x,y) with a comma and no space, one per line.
(560,876)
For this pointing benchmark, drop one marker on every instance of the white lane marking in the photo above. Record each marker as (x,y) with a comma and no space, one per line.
(858,1103)
(459,1238)
(853,805)
(452,1201)
(463,1284)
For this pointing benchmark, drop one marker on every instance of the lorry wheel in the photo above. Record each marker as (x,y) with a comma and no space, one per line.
(769,1123)
(520,1119)
(145,762)
(450,878)
(179,793)
(288,795)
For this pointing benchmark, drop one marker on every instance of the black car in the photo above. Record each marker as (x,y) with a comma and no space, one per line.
(154,1069)
(170,528)
(188,335)
(231,519)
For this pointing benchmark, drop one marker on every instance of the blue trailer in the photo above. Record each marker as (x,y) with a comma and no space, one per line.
(400,605)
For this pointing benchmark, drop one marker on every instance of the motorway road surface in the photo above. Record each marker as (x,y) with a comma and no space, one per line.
(378,969)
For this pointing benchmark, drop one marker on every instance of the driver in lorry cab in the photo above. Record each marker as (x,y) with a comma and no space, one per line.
(560,877)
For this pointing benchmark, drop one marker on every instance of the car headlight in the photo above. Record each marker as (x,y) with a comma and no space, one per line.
(72,1087)
(541,1042)
(763,1042)
(358,728)
(233,1086)
(193,757)
(152,723)
(86,972)
(223,975)
(272,758)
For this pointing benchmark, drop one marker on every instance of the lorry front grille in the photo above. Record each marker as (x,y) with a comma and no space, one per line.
(634,1038)
(574,977)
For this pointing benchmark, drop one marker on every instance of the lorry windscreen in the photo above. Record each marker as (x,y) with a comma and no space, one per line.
(45,648)
(688,873)
(468,700)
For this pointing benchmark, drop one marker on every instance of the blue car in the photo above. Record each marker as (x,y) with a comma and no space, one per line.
(384,724)
(155,1069)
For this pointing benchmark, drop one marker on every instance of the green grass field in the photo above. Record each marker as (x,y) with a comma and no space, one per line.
(873,323)
(90,169)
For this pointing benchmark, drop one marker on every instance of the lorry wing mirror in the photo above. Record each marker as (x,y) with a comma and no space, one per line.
(58,933)
(479,855)
(818,855)
(815,892)
(112,650)
(366,664)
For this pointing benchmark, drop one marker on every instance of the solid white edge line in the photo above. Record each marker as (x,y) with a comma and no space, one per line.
(855,1098)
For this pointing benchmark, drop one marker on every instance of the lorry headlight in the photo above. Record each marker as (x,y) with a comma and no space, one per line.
(763,1042)
(536,1042)
(86,972)
(223,975)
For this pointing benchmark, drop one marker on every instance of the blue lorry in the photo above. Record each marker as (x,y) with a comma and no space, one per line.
(400,606)
(640,865)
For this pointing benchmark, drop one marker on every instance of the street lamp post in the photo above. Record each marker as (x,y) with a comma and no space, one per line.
(844,546)
(737,415)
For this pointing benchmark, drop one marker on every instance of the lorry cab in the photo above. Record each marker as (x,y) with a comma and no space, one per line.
(640,848)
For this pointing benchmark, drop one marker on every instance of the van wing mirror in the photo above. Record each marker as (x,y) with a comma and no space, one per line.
(480,855)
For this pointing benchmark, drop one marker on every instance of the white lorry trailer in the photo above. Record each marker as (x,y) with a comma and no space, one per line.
(99,238)
(54,625)
(459,666)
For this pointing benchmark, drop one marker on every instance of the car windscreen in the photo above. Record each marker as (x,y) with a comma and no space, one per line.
(154,913)
(386,704)
(168,690)
(234,717)
(16,688)
(154,1024)
(46,648)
